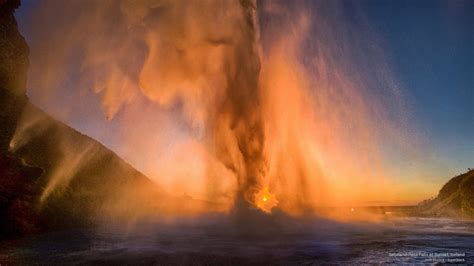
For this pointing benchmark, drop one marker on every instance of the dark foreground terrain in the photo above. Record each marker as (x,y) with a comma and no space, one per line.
(396,240)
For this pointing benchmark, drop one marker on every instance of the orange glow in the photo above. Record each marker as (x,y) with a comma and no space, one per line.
(265,200)
(208,114)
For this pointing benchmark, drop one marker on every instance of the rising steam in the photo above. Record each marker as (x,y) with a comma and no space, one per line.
(200,102)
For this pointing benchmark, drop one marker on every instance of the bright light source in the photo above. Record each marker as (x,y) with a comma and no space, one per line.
(265,200)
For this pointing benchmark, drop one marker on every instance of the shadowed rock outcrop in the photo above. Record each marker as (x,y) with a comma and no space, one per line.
(17,215)
(455,199)
(13,50)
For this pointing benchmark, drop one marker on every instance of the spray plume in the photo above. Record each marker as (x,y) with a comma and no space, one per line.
(204,105)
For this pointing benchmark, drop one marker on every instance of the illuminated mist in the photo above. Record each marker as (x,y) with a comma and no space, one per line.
(241,103)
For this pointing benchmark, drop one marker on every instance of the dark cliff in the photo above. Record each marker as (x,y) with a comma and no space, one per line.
(455,199)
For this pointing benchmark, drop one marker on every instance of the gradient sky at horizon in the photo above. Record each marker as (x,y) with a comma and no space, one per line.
(429,46)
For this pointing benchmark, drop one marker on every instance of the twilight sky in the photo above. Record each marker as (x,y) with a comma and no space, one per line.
(431,47)
(428,47)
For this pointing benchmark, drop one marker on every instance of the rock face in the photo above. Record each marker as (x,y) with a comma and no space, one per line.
(17,215)
(17,193)
(13,69)
(13,50)
(455,199)
(103,187)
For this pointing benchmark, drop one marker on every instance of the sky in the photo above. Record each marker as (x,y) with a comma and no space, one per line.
(428,46)
(431,47)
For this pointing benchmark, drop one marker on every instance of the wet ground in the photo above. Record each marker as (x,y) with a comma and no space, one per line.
(396,240)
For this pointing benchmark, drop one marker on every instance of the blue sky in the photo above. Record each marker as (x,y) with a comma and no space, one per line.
(431,47)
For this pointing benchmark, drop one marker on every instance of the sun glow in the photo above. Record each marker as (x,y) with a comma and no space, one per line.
(265,200)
